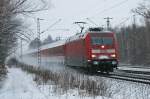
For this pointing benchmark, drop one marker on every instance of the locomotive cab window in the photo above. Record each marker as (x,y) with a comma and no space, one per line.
(107,40)
(102,40)
(96,40)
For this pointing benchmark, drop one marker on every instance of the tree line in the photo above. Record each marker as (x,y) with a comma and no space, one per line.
(134,40)
(36,42)
(10,23)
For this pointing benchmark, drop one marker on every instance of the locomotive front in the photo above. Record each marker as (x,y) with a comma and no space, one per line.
(102,51)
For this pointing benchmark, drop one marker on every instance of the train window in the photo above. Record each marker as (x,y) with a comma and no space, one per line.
(107,40)
(102,40)
(97,41)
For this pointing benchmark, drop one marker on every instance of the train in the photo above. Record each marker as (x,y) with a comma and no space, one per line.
(95,50)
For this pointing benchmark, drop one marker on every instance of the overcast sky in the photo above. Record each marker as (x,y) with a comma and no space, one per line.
(70,11)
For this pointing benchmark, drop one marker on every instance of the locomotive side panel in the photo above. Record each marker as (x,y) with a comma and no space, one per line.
(75,53)
(53,55)
(56,51)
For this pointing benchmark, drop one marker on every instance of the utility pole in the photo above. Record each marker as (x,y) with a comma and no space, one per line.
(21,48)
(134,37)
(39,38)
(134,22)
(108,22)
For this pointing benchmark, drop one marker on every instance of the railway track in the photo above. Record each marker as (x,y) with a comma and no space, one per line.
(134,77)
(136,72)
(121,75)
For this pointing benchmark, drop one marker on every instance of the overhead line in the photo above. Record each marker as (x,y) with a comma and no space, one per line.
(114,6)
(51,26)
(123,21)
(91,21)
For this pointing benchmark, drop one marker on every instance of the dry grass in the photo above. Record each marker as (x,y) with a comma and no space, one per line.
(65,81)
(85,85)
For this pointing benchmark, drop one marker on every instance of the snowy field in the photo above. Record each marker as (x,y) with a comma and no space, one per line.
(22,85)
(61,82)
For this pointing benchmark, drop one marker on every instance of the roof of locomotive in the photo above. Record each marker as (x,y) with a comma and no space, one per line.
(100,32)
(83,35)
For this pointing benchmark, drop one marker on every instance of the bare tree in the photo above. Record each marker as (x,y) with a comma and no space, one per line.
(34,43)
(48,40)
(10,24)
(137,39)
(143,9)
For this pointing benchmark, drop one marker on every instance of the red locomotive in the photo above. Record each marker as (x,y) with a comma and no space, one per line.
(94,50)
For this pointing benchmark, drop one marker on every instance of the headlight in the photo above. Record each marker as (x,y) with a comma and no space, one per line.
(102,46)
(113,55)
(93,56)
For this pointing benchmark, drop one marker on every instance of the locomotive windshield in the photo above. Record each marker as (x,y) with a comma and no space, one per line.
(102,40)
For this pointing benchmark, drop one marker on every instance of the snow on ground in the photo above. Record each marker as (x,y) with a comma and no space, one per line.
(120,89)
(20,85)
(129,90)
